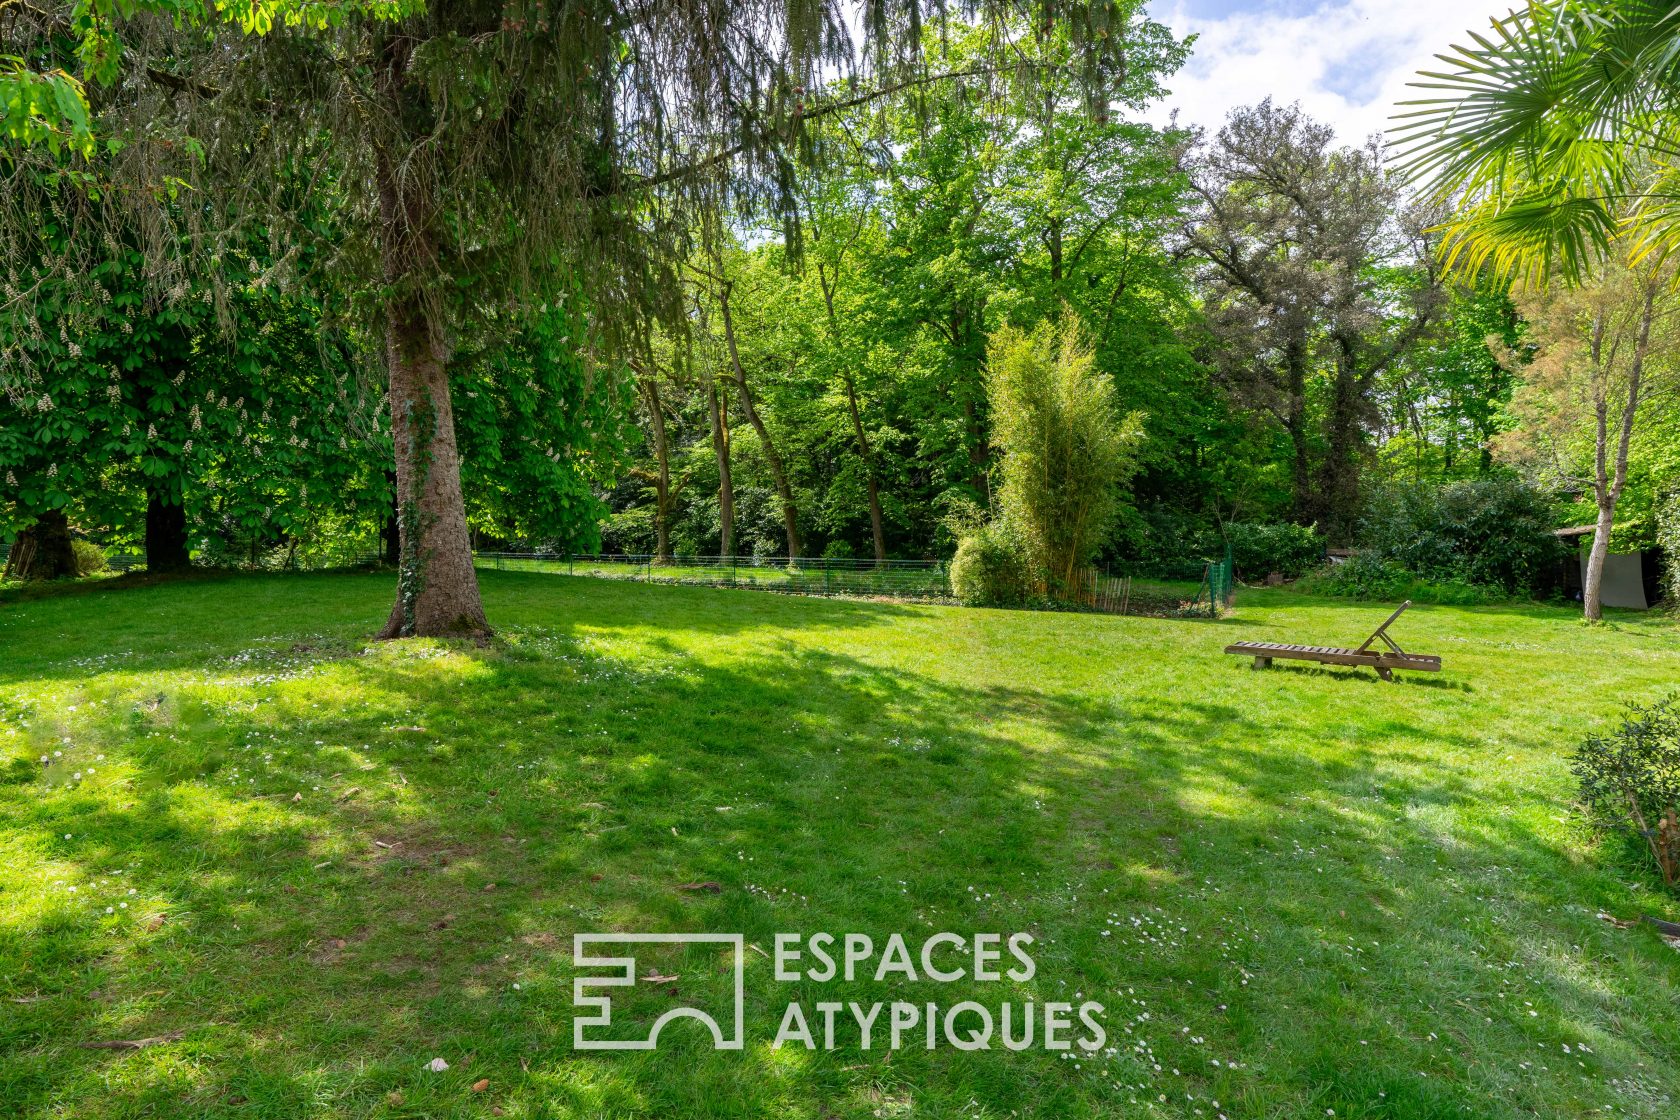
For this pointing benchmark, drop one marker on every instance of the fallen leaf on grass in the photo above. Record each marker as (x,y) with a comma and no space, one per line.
(155,922)
(133,1043)
(437,1065)
(480,1086)
(349,793)
(708,887)
(489,886)
(655,978)
(1619,923)
(25,999)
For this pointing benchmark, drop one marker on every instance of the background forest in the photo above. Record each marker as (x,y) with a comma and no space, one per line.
(1250,320)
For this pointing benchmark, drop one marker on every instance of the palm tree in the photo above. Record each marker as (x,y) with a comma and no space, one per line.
(1554,137)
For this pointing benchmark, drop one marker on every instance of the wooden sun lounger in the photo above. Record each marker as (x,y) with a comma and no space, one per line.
(1383,661)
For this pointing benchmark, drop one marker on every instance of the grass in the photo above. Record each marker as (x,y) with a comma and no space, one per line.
(815,577)
(844,579)
(327,862)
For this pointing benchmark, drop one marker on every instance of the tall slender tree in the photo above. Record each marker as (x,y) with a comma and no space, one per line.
(1606,351)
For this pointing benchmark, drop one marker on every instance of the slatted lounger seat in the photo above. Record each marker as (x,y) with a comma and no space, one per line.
(1383,661)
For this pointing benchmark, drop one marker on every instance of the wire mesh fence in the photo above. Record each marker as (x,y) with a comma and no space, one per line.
(1219,584)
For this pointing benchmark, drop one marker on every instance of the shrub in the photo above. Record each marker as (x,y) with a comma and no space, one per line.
(1495,532)
(839,550)
(1367,575)
(1668,539)
(90,558)
(991,569)
(629,531)
(1161,543)
(1630,780)
(1259,548)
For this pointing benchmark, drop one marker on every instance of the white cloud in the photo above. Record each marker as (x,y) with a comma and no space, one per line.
(1346,62)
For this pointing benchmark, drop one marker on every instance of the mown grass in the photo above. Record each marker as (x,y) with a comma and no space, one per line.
(815,577)
(328,862)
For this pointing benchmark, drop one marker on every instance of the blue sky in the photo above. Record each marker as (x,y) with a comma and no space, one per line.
(1346,61)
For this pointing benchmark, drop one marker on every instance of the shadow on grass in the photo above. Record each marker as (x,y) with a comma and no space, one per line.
(460,814)
(1367,676)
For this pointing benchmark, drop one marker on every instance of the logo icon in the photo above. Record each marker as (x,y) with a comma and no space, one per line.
(624,975)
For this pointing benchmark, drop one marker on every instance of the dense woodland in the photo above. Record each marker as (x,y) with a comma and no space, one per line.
(766,313)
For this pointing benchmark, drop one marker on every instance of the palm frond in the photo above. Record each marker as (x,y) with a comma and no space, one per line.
(1546,132)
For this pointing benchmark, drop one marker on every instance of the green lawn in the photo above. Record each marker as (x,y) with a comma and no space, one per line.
(328,862)
(814,577)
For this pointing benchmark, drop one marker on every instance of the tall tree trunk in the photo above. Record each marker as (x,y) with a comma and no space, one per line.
(437,588)
(778,470)
(979,451)
(1053,243)
(875,527)
(44,550)
(1337,492)
(166,534)
(662,479)
(726,483)
(1295,423)
(1592,586)
(872,483)
(1608,481)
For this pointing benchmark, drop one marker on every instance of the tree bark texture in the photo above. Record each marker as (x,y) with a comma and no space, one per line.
(726,482)
(437,587)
